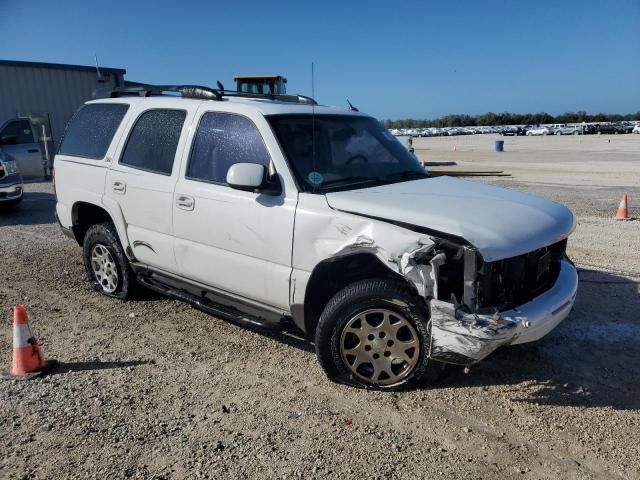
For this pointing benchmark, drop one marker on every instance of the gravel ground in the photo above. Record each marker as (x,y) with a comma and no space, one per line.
(156,389)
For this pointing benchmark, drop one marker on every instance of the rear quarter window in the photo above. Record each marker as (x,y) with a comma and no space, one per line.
(91,130)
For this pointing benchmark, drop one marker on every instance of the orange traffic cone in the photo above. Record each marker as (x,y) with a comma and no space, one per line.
(623,211)
(27,357)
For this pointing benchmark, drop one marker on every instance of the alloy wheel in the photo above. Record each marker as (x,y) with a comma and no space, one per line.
(104,268)
(380,346)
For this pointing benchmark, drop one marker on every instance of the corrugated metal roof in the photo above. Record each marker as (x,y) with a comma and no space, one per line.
(61,66)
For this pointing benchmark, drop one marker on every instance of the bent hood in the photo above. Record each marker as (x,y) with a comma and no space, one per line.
(499,222)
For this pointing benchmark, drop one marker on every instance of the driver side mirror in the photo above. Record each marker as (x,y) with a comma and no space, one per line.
(251,177)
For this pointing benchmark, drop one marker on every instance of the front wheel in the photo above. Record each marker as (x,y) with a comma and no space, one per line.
(105,263)
(10,204)
(376,334)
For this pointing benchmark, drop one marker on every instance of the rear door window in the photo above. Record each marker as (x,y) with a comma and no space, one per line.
(222,140)
(153,141)
(91,130)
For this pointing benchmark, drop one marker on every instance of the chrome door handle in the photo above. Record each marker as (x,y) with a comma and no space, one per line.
(184,202)
(118,187)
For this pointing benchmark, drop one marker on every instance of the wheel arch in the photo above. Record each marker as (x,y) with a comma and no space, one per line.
(85,214)
(333,274)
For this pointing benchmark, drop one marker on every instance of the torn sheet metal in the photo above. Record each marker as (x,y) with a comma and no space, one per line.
(336,234)
(463,338)
(407,263)
(323,234)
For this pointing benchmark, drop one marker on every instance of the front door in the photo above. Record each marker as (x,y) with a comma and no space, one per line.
(142,183)
(235,241)
(18,140)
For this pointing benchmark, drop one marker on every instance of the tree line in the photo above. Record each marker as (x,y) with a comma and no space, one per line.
(490,118)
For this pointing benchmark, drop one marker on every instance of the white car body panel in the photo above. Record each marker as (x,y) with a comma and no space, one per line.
(146,198)
(236,232)
(80,179)
(499,222)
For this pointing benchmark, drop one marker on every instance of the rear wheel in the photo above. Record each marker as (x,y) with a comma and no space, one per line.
(106,265)
(376,334)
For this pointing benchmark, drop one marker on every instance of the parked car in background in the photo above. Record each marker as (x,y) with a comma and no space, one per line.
(11,186)
(608,128)
(636,129)
(626,127)
(537,131)
(19,139)
(569,130)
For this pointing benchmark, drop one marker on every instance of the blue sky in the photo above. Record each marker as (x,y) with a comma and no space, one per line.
(417,59)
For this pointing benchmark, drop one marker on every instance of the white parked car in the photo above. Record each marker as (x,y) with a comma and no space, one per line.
(636,129)
(538,131)
(262,211)
(19,139)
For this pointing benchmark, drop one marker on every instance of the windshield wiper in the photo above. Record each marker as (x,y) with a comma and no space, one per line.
(350,179)
(405,174)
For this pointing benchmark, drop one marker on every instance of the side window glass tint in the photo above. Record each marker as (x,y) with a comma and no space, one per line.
(153,141)
(90,131)
(16,132)
(222,140)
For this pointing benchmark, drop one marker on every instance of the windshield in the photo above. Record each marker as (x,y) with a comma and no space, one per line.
(349,152)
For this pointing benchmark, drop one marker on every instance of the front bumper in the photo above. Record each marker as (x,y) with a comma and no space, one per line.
(462,338)
(10,190)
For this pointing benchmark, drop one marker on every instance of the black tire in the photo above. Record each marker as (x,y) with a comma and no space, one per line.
(368,294)
(105,234)
(10,205)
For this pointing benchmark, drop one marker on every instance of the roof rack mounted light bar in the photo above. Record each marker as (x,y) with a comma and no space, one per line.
(205,93)
(187,91)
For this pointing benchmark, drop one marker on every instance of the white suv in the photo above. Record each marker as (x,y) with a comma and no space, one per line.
(264,210)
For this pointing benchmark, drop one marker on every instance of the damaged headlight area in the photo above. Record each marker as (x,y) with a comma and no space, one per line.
(474,304)
(465,279)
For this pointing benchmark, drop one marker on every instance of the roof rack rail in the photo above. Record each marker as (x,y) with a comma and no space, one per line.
(293,98)
(205,93)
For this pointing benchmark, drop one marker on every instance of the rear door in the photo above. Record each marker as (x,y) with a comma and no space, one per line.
(18,140)
(142,180)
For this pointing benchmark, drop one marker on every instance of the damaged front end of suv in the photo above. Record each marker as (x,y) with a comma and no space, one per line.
(488,280)
(478,306)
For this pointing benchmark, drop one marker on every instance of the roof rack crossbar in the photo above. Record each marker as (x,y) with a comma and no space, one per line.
(205,93)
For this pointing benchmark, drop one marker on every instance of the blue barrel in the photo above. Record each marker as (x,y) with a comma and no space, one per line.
(499,145)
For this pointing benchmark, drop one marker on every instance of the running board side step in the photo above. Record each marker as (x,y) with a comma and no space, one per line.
(226,313)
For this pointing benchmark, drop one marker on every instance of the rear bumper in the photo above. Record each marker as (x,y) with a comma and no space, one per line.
(462,338)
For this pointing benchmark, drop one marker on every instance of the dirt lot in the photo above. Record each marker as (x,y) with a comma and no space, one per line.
(156,389)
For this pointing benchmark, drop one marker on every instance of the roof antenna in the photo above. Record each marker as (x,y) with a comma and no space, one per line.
(313,123)
(95,56)
(351,107)
(220,86)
